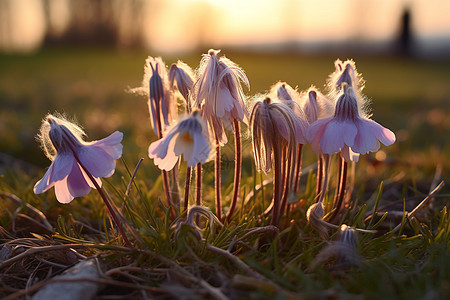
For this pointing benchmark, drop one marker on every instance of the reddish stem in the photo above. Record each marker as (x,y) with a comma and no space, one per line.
(218,181)
(198,190)
(276,184)
(186,188)
(109,206)
(237,169)
(343,182)
(298,168)
(164,175)
(319,175)
(324,188)
(287,176)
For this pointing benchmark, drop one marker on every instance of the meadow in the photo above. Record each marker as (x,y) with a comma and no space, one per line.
(246,258)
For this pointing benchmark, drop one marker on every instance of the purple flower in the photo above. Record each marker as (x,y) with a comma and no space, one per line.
(219,93)
(186,138)
(347,75)
(63,143)
(315,105)
(347,131)
(182,78)
(271,124)
(284,94)
(155,85)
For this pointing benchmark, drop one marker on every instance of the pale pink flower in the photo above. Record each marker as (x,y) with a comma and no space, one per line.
(346,74)
(316,105)
(348,132)
(156,86)
(188,138)
(63,143)
(219,93)
(270,123)
(182,78)
(283,93)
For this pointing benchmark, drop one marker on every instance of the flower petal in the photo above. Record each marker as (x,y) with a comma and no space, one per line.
(58,170)
(168,161)
(76,182)
(111,144)
(159,148)
(44,184)
(96,161)
(200,151)
(315,131)
(300,129)
(368,132)
(224,101)
(62,191)
(336,135)
(383,134)
(184,144)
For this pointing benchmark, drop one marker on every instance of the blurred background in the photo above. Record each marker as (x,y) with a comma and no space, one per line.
(80,57)
(174,26)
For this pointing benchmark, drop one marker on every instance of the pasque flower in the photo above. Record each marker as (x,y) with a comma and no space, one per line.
(316,105)
(347,131)
(346,74)
(155,85)
(219,93)
(285,94)
(182,78)
(63,143)
(274,127)
(270,121)
(188,138)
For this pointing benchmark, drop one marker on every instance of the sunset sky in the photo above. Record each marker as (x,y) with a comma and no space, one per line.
(180,25)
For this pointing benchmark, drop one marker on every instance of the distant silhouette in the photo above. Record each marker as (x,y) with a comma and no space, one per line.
(405,37)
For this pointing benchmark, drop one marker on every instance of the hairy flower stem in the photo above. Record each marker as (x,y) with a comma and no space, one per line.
(109,206)
(217,165)
(298,168)
(164,174)
(198,190)
(198,200)
(319,175)
(237,169)
(338,183)
(186,188)
(287,157)
(175,186)
(277,188)
(284,175)
(324,187)
(340,191)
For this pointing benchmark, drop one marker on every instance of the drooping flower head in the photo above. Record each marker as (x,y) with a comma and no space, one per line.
(155,85)
(348,132)
(316,105)
(347,75)
(188,138)
(283,93)
(219,93)
(63,143)
(182,78)
(271,124)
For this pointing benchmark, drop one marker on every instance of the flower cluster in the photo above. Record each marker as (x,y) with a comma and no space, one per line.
(280,123)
